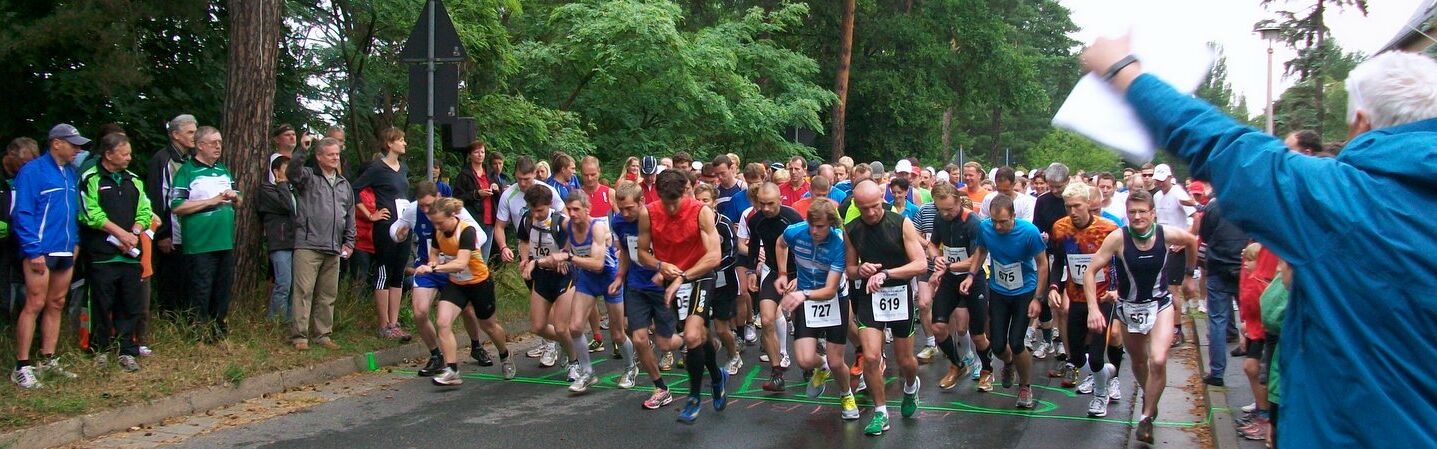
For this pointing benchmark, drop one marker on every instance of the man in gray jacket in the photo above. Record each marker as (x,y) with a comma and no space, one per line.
(324,233)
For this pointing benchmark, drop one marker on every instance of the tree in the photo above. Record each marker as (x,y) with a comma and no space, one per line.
(840,81)
(1306,31)
(1073,150)
(248,108)
(1216,88)
(1295,109)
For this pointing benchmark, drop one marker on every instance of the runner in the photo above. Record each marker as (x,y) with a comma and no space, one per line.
(643,299)
(542,235)
(1145,306)
(725,295)
(1074,240)
(512,209)
(590,251)
(884,256)
(1020,275)
(747,311)
(685,251)
(813,298)
(427,286)
(456,252)
(1048,209)
(769,221)
(953,240)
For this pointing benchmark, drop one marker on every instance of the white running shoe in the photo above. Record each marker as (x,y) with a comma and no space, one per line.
(550,356)
(763,357)
(507,366)
(52,366)
(734,364)
(582,382)
(25,378)
(1249,408)
(129,364)
(1097,407)
(630,375)
(1086,387)
(1042,351)
(750,335)
(448,378)
(538,351)
(574,373)
(887,335)
(784,362)
(145,351)
(1115,390)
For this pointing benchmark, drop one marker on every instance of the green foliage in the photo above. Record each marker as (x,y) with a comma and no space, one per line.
(1076,151)
(1216,88)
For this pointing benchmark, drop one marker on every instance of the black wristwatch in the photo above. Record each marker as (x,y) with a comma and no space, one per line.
(1119,66)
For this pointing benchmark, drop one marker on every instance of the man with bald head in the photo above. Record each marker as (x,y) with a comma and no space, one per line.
(770,219)
(885,254)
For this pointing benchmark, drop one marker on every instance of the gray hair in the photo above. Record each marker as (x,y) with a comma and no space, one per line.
(1393,88)
(326,143)
(1056,173)
(179,121)
(205,131)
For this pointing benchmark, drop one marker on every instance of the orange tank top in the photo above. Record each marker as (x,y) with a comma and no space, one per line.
(476,271)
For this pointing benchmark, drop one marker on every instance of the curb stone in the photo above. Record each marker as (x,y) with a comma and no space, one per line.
(1224,429)
(202,399)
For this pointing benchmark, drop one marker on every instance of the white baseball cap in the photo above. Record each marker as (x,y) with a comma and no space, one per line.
(903,166)
(697,165)
(1162,172)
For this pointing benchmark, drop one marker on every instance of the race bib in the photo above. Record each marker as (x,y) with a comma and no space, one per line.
(955,255)
(1139,317)
(633,242)
(763,271)
(582,251)
(820,314)
(1009,276)
(721,279)
(683,300)
(1078,264)
(891,304)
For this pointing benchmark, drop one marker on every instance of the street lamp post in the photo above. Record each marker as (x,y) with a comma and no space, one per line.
(1269,33)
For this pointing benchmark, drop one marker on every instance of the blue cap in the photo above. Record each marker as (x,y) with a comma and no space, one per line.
(69,133)
(649,165)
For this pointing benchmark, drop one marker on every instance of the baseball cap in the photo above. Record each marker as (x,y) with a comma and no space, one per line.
(1197,188)
(649,165)
(281,129)
(69,133)
(776,166)
(877,168)
(697,165)
(903,166)
(1162,172)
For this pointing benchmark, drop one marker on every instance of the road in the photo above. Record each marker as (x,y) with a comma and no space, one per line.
(537,410)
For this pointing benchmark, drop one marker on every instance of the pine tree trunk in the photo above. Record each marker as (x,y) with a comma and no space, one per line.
(840,82)
(995,130)
(1317,71)
(248,110)
(947,131)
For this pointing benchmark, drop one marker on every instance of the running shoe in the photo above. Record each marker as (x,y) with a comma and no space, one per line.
(971,360)
(550,356)
(1044,348)
(750,335)
(887,338)
(538,351)
(857,369)
(596,345)
(25,378)
(815,383)
(506,364)
(433,367)
(626,381)
(774,384)
(763,357)
(1098,407)
(400,334)
(1115,391)
(877,426)
(480,356)
(583,382)
(448,378)
(735,363)
(1145,430)
(1030,339)
(949,380)
(1059,350)
(128,363)
(910,401)
(1007,375)
(52,366)
(926,355)
(604,324)
(660,398)
(720,398)
(102,361)
(862,385)
(1086,387)
(1249,408)
(667,362)
(681,359)
(1070,379)
(1256,430)
(145,351)
(784,362)
(1059,373)
(1025,397)
(850,407)
(985,381)
(690,412)
(574,371)
(618,353)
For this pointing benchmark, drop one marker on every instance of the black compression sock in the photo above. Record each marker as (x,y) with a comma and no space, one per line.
(659,383)
(475,344)
(711,359)
(1115,356)
(21,364)
(1096,357)
(453,366)
(946,345)
(986,359)
(434,352)
(694,362)
(1047,335)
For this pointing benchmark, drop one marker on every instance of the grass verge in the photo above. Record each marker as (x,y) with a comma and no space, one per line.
(255,346)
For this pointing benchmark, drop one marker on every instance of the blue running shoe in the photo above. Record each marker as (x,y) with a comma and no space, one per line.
(690,412)
(720,391)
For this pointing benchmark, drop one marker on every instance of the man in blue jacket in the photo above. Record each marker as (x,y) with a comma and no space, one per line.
(1362,260)
(46,207)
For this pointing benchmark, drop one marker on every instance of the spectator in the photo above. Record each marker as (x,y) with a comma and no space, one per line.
(445,190)
(116,213)
(649,170)
(277,210)
(45,212)
(1304,141)
(19,152)
(389,179)
(204,203)
(170,284)
(363,258)
(494,166)
(631,170)
(479,192)
(541,169)
(325,208)
(1224,241)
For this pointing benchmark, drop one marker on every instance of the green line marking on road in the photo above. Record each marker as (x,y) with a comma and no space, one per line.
(1044,411)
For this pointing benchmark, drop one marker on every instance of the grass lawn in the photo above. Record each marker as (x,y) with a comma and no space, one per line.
(255,345)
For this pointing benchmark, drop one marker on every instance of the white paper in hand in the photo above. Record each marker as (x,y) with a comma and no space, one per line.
(1096,110)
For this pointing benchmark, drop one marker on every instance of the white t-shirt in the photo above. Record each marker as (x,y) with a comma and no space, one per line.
(409,212)
(1119,206)
(741,229)
(512,205)
(1170,209)
(1023,206)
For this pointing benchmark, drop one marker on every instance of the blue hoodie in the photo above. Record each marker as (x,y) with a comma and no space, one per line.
(47,205)
(1359,232)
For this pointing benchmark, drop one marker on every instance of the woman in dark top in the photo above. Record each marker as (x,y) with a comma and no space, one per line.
(388,178)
